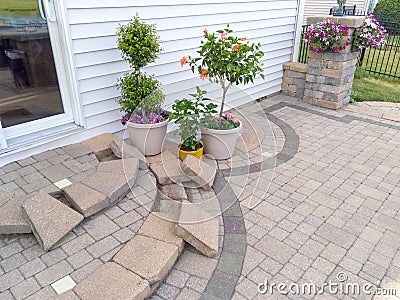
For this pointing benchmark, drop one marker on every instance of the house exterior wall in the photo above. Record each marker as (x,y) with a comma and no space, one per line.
(322,7)
(97,61)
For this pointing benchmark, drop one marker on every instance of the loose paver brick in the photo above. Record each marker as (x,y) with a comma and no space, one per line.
(11,216)
(85,200)
(158,226)
(167,168)
(198,228)
(199,171)
(114,185)
(50,220)
(149,258)
(173,191)
(112,281)
(100,144)
(122,149)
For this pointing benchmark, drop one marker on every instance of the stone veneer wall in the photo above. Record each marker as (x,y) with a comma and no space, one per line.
(294,79)
(329,75)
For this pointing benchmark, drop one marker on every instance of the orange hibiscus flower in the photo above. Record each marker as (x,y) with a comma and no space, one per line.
(204,73)
(235,47)
(243,38)
(205,31)
(183,61)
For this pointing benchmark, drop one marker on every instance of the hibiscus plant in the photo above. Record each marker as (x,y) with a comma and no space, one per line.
(226,60)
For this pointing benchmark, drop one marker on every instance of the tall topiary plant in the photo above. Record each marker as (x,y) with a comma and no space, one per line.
(388,10)
(140,45)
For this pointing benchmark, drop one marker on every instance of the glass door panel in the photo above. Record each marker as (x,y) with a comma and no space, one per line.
(29,87)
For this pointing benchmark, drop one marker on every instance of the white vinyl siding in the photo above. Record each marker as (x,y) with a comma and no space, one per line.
(92,24)
(322,7)
(180,24)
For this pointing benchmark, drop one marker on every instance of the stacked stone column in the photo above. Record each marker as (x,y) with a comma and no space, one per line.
(330,75)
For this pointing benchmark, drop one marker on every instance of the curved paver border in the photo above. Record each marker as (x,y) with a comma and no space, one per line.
(223,281)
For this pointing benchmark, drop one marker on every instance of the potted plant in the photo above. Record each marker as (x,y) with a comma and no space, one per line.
(327,36)
(187,114)
(141,97)
(226,60)
(371,34)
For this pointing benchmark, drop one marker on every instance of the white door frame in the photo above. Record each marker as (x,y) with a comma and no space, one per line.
(56,16)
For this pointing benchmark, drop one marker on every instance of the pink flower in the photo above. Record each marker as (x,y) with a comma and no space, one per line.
(223,35)
(228,116)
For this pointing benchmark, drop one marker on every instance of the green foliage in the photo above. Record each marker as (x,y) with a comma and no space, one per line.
(138,88)
(140,45)
(227,60)
(138,42)
(187,113)
(388,10)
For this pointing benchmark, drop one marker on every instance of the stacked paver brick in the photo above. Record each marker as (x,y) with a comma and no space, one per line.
(330,74)
(328,78)
(294,79)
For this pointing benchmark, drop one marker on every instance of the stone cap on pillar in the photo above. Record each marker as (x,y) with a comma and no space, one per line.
(349,21)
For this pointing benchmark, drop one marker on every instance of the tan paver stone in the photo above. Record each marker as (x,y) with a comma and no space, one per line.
(149,258)
(122,149)
(50,220)
(198,228)
(125,166)
(114,185)
(85,200)
(173,191)
(111,281)
(159,226)
(100,144)
(167,169)
(199,171)
(11,217)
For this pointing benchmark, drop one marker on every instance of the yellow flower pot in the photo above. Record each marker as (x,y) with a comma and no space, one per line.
(196,153)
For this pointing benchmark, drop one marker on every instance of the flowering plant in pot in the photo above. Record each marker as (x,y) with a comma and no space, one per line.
(371,34)
(187,114)
(141,97)
(226,60)
(327,36)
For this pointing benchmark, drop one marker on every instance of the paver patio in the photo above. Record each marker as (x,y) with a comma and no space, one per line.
(319,195)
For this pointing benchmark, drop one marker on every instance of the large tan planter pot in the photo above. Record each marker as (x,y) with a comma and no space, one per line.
(220,144)
(148,138)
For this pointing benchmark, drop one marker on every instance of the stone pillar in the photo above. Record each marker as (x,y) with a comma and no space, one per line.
(330,75)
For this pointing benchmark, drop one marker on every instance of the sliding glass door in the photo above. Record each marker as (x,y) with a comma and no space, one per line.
(29,85)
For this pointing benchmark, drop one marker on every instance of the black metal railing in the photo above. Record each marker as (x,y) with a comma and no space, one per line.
(303,47)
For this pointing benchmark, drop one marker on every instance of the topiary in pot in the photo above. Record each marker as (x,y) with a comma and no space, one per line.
(141,97)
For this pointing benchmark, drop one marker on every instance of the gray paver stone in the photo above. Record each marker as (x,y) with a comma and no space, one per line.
(199,171)
(112,281)
(149,258)
(50,220)
(122,149)
(198,228)
(85,200)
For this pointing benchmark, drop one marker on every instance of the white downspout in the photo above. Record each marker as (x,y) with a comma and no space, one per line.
(299,24)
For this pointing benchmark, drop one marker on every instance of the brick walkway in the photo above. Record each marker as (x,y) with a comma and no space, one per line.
(331,205)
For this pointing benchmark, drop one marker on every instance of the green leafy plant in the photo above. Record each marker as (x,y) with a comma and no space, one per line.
(140,45)
(226,60)
(388,10)
(188,113)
